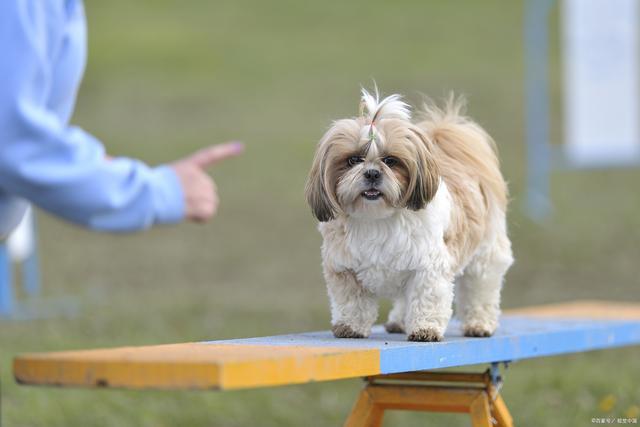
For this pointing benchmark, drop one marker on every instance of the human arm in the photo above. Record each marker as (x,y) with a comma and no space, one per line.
(62,168)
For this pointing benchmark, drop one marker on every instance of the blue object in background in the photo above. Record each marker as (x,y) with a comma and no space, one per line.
(581,64)
(27,264)
(536,38)
(7,298)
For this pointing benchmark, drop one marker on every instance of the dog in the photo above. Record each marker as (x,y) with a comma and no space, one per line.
(410,210)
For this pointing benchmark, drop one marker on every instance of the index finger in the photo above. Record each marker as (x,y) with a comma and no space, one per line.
(216,153)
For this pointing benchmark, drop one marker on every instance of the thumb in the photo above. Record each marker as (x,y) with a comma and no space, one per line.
(216,153)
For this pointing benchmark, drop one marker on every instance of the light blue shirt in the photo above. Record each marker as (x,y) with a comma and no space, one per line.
(43,159)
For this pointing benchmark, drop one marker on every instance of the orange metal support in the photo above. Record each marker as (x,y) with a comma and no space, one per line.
(472,393)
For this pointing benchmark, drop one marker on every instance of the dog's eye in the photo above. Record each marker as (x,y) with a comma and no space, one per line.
(390,161)
(355,159)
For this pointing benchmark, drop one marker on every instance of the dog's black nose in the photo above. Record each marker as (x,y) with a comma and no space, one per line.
(372,175)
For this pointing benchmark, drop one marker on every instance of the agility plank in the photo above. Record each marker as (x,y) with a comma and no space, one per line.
(318,356)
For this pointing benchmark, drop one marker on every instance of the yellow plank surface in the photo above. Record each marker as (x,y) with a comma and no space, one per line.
(195,366)
(583,309)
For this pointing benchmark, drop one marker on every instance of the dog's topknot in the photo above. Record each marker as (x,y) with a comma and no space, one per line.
(392,107)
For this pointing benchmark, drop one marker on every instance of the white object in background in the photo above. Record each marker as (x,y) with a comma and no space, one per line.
(20,242)
(602,113)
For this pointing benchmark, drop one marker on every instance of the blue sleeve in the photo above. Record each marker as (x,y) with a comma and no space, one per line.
(59,168)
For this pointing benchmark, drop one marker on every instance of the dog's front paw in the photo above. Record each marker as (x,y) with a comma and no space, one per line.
(477,331)
(425,335)
(341,330)
(394,328)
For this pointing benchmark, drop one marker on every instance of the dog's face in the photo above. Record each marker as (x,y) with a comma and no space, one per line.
(369,171)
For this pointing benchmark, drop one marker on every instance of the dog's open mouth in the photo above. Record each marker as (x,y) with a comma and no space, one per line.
(371,194)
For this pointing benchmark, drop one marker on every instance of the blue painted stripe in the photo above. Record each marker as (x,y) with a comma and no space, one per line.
(563,339)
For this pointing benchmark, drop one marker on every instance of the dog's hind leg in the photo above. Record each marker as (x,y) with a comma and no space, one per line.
(478,289)
(395,322)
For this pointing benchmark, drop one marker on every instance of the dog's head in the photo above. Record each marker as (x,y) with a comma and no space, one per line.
(374,164)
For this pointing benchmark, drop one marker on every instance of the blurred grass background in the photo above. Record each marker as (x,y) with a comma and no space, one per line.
(167,77)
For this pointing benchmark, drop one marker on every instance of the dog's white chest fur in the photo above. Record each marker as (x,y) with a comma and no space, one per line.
(384,252)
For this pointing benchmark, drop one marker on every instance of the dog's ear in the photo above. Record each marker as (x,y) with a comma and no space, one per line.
(317,189)
(424,173)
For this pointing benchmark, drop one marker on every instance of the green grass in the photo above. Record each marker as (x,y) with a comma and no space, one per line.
(165,78)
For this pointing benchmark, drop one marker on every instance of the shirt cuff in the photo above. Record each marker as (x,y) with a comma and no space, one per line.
(168,196)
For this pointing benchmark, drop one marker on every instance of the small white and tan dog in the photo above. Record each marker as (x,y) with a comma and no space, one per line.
(407,211)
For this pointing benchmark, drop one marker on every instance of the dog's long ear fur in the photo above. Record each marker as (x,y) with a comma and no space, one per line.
(425,176)
(317,193)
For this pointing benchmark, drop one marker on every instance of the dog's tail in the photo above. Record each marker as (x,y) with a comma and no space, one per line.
(465,145)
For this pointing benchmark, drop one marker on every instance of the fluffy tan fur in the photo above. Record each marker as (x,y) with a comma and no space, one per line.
(468,163)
